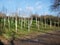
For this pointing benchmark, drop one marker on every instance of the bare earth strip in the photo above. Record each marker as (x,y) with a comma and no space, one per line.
(52,38)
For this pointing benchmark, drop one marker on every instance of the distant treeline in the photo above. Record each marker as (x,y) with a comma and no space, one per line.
(54,20)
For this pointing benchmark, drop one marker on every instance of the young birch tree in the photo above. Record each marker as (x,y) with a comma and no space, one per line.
(24,21)
(16,22)
(31,21)
(28,25)
(38,24)
(50,22)
(8,23)
(4,21)
(36,20)
(41,19)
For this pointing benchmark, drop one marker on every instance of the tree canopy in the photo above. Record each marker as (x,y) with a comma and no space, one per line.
(56,5)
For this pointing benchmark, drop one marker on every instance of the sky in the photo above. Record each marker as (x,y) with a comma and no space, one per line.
(26,6)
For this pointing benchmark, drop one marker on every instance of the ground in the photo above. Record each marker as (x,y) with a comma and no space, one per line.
(50,38)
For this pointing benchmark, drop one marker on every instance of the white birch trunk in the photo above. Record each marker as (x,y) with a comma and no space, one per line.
(16,24)
(24,22)
(21,23)
(31,21)
(45,22)
(28,25)
(38,25)
(50,23)
(41,21)
(19,20)
(8,23)
(36,21)
(4,22)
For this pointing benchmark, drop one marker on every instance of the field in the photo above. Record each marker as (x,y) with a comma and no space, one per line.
(24,28)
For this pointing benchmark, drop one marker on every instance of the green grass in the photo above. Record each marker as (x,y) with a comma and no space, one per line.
(24,31)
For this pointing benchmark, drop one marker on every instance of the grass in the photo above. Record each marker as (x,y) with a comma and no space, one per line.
(24,31)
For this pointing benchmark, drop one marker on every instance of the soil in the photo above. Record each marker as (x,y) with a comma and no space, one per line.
(51,38)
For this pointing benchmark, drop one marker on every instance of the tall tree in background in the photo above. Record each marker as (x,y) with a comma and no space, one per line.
(56,7)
